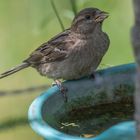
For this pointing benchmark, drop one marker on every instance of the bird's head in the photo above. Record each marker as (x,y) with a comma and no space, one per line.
(87,19)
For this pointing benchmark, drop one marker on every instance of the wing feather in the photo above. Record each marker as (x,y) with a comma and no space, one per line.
(55,49)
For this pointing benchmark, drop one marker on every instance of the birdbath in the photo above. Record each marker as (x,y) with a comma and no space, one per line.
(99,108)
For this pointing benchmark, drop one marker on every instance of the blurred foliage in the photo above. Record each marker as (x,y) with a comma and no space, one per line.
(57,15)
(28,23)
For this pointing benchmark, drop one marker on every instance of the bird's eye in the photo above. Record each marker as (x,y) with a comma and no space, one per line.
(88,17)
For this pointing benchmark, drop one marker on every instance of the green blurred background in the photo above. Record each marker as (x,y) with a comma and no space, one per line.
(24,25)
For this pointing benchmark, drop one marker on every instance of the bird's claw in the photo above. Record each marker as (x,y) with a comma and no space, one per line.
(92,76)
(63,90)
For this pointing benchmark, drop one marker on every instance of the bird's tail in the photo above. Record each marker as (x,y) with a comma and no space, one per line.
(14,70)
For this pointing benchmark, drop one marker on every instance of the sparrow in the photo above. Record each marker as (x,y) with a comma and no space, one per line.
(72,54)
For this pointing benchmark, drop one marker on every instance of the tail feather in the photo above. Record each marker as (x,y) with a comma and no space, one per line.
(14,70)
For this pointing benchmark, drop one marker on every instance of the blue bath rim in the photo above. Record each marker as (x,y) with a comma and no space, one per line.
(121,131)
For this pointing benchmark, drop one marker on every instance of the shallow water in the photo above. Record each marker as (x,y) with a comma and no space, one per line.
(91,121)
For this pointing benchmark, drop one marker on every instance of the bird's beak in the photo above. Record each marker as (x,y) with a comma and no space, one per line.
(101,16)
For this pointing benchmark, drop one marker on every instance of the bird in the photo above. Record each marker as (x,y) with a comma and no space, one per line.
(74,53)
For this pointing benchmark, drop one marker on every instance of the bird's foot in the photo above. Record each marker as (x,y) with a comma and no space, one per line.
(63,90)
(92,76)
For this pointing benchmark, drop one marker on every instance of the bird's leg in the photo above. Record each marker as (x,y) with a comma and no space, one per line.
(63,90)
(92,75)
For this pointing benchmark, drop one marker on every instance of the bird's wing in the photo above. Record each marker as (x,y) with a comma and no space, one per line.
(55,49)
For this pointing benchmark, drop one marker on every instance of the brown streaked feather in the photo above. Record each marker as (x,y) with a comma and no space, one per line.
(57,38)
(55,49)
